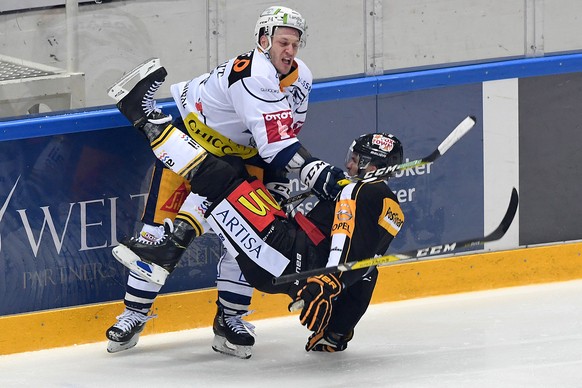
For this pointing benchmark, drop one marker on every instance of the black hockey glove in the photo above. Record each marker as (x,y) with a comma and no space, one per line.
(322,178)
(280,190)
(316,297)
(325,341)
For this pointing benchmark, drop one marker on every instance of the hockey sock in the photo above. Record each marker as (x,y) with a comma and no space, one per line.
(140,294)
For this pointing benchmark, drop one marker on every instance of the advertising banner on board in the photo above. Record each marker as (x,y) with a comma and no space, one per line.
(442,201)
(66,200)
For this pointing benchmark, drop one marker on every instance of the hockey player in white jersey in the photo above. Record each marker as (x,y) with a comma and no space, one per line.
(267,243)
(251,107)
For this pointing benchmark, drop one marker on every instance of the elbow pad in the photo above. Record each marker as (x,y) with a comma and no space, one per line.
(298,160)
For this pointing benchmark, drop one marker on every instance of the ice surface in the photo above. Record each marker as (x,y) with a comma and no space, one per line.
(513,337)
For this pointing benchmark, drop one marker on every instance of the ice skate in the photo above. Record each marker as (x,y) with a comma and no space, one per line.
(328,342)
(153,261)
(122,87)
(233,336)
(124,334)
(135,91)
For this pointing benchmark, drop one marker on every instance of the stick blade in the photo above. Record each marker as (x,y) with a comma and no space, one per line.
(460,131)
(412,256)
(507,218)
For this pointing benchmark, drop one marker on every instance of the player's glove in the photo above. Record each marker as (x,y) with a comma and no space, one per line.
(325,341)
(322,178)
(315,300)
(280,190)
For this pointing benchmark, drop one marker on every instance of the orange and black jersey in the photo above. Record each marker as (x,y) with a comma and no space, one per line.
(367,217)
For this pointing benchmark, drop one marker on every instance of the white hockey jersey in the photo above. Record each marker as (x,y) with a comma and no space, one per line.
(242,108)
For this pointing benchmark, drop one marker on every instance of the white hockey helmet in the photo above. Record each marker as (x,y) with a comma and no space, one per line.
(277,16)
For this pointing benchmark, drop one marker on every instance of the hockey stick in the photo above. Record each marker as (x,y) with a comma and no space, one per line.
(415,255)
(457,133)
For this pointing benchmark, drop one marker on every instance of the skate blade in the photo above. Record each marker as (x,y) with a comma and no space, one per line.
(221,345)
(114,347)
(147,271)
(120,89)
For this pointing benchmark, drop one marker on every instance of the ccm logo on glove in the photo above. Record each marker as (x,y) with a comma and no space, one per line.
(322,178)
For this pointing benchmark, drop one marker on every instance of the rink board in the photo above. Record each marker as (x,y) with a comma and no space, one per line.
(182,311)
(72,185)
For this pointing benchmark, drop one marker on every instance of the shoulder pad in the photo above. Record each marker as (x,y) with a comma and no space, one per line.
(241,68)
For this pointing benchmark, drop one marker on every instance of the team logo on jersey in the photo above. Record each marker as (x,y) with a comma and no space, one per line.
(172,193)
(239,234)
(344,213)
(214,142)
(175,201)
(344,220)
(383,142)
(279,125)
(392,217)
(254,202)
(241,67)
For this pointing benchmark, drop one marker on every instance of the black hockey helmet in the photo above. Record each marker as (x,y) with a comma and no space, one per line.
(378,149)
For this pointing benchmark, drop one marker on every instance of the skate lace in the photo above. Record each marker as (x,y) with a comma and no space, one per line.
(148,103)
(150,242)
(130,319)
(239,325)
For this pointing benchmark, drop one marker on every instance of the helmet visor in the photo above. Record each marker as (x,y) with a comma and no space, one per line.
(355,163)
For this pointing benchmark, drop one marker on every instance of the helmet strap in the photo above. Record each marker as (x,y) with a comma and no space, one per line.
(267,35)
(363,163)
(266,49)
